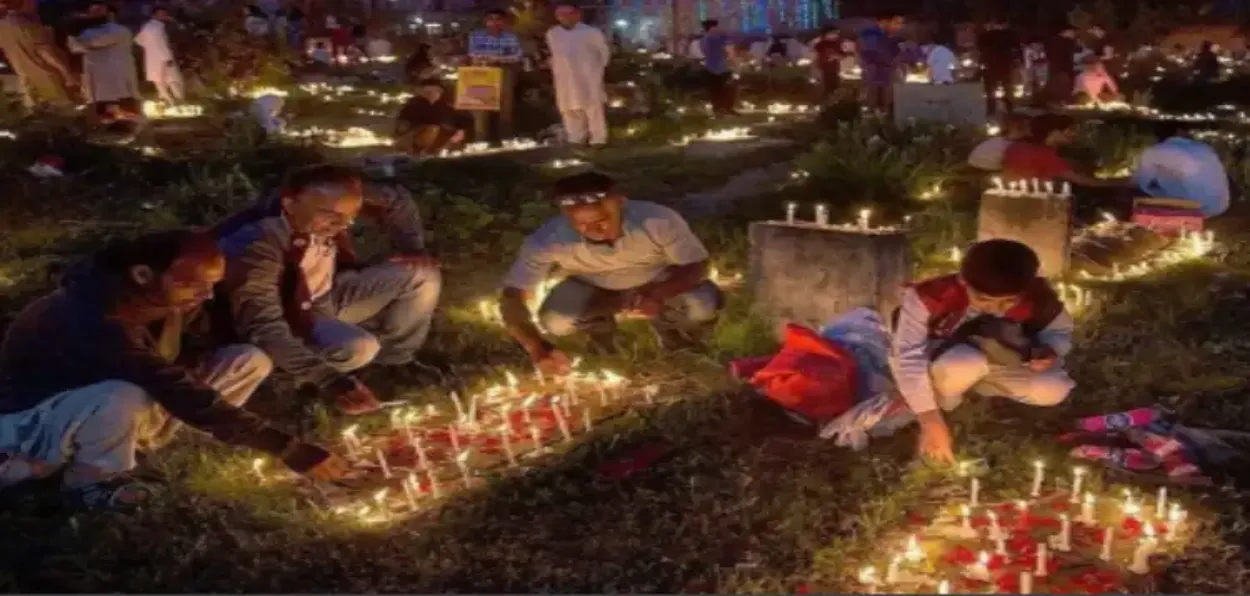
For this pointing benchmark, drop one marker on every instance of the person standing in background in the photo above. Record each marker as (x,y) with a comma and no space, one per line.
(1061,66)
(158,58)
(579,55)
(43,71)
(715,48)
(493,45)
(108,63)
(878,61)
(828,51)
(1001,54)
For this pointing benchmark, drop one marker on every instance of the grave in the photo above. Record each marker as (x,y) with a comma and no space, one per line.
(1032,212)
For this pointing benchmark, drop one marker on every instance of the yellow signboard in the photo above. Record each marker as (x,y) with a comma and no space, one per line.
(478,88)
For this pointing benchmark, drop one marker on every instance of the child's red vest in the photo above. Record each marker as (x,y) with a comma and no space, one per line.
(947,301)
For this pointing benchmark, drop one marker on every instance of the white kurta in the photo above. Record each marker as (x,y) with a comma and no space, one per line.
(578,58)
(157,56)
(108,62)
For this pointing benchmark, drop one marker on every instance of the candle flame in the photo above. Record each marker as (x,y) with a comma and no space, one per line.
(965,510)
(464,456)
(611,378)
(1174,513)
(983,558)
(1150,530)
(257,464)
(351,430)
(868,575)
(512,381)
(1078,471)
(380,496)
(1022,505)
(1039,464)
(1090,498)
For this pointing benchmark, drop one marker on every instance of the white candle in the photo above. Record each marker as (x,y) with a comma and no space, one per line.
(868,577)
(891,572)
(1043,560)
(966,513)
(258,468)
(1039,473)
(1000,545)
(981,569)
(1026,582)
(1161,503)
(1108,535)
(380,499)
(864,215)
(603,390)
(913,552)
(472,417)
(1065,534)
(410,491)
(455,400)
(561,422)
(587,419)
(822,214)
(513,384)
(538,374)
(462,462)
(386,468)
(996,530)
(1175,518)
(1087,509)
(975,497)
(1050,190)
(420,449)
(791,209)
(1141,557)
(505,437)
(351,442)
(1078,474)
(454,435)
(944,587)
(1067,189)
(998,183)
(570,384)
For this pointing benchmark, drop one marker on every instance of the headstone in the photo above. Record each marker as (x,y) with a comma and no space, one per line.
(961,104)
(807,274)
(1032,215)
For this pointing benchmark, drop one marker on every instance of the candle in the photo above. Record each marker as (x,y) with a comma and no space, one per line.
(380,499)
(538,374)
(1131,506)
(434,486)
(512,382)
(410,490)
(560,421)
(996,531)
(420,449)
(791,209)
(1065,534)
(1078,473)
(1023,507)
(1050,190)
(505,437)
(822,214)
(454,435)
(462,462)
(1000,545)
(1026,582)
(1141,557)
(998,183)
(966,513)
(1161,502)
(258,465)
(1108,535)
(386,468)
(1039,473)
(614,381)
(1067,189)
(975,497)
(409,418)
(570,384)
(1087,509)
(956,254)
(588,419)
(944,587)
(891,572)
(1175,517)
(603,390)
(981,569)
(472,417)
(913,552)
(864,214)
(868,577)
(1043,560)
(455,400)
(351,442)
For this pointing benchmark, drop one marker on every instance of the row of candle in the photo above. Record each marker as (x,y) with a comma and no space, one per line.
(862,224)
(1190,246)
(739,133)
(1031,187)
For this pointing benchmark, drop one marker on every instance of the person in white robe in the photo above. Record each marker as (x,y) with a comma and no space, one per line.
(579,55)
(940,62)
(267,110)
(158,58)
(108,61)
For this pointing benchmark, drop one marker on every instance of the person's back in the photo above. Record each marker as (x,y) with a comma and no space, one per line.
(1184,168)
(714,47)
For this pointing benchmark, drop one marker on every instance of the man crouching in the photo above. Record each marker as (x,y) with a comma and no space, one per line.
(92,370)
(618,256)
(995,327)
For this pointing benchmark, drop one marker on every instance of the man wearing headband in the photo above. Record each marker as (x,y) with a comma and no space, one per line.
(616,256)
(995,327)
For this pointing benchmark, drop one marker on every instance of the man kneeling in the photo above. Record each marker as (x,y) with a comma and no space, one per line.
(995,327)
(86,380)
(619,256)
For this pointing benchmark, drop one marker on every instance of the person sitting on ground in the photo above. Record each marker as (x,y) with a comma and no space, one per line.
(1179,167)
(427,124)
(95,368)
(1206,64)
(420,65)
(995,327)
(295,290)
(618,256)
(940,62)
(988,155)
(266,111)
(1095,84)
(1037,157)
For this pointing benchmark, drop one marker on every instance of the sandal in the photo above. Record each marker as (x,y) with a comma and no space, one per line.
(118,494)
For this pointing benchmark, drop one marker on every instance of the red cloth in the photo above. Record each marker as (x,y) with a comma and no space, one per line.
(810,375)
(1030,160)
(946,298)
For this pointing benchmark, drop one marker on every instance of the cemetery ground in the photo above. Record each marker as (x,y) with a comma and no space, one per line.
(741,501)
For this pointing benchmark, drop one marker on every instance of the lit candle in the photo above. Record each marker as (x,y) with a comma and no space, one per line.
(1026,582)
(944,587)
(380,499)
(1141,557)
(981,569)
(891,572)
(864,214)
(462,462)
(791,209)
(1175,518)
(454,435)
(422,460)
(1131,507)
(411,488)
(351,441)
(1023,507)
(1087,509)
(603,389)
(455,400)
(512,382)
(1039,473)
(386,468)
(966,513)
(956,254)
(1064,544)
(868,577)
(996,530)
(975,496)
(1043,560)
(560,421)
(1050,190)
(570,384)
(1078,474)
(505,437)
(822,214)
(1161,502)
(913,552)
(1000,545)
(258,466)
(1108,535)
(998,183)
(587,419)
(472,416)
(538,374)
(1067,189)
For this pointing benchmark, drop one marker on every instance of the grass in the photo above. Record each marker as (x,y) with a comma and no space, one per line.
(743,502)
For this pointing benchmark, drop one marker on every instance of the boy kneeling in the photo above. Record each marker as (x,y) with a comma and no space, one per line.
(995,327)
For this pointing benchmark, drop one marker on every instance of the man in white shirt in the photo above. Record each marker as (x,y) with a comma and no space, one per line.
(617,256)
(158,58)
(579,55)
(941,63)
(995,327)
(1179,167)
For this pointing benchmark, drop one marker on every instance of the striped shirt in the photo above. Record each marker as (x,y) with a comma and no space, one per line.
(504,46)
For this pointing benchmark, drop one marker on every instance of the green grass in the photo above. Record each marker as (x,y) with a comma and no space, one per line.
(744,503)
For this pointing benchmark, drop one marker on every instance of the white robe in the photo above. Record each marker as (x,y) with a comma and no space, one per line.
(108,62)
(578,58)
(157,56)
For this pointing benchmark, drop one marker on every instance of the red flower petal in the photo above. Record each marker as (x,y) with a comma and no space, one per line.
(960,555)
(917,518)
(802,589)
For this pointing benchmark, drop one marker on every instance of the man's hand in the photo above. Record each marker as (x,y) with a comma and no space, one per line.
(642,303)
(935,438)
(1042,359)
(330,469)
(553,362)
(415,261)
(457,137)
(354,398)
